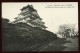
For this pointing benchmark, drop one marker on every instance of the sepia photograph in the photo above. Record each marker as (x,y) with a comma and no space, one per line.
(39,26)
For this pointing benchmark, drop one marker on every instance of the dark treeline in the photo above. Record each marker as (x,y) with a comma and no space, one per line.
(22,37)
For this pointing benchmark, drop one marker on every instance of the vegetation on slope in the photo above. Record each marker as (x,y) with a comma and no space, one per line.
(22,37)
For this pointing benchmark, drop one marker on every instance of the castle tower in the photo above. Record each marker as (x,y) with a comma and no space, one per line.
(30,16)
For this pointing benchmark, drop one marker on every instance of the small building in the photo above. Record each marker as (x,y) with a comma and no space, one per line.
(30,16)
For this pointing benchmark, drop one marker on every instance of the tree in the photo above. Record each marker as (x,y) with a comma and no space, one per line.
(67,30)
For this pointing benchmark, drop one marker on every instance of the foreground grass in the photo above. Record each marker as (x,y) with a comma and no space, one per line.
(68,44)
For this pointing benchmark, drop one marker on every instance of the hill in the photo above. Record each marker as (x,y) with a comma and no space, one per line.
(22,37)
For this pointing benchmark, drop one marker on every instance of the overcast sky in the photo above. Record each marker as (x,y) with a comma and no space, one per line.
(53,14)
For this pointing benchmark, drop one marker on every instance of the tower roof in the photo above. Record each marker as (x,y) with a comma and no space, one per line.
(29,6)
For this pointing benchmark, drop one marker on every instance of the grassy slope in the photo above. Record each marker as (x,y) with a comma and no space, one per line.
(22,37)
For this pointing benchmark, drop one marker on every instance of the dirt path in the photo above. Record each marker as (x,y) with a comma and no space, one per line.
(68,44)
(73,46)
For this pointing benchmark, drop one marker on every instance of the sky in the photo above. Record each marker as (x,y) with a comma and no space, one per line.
(53,14)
